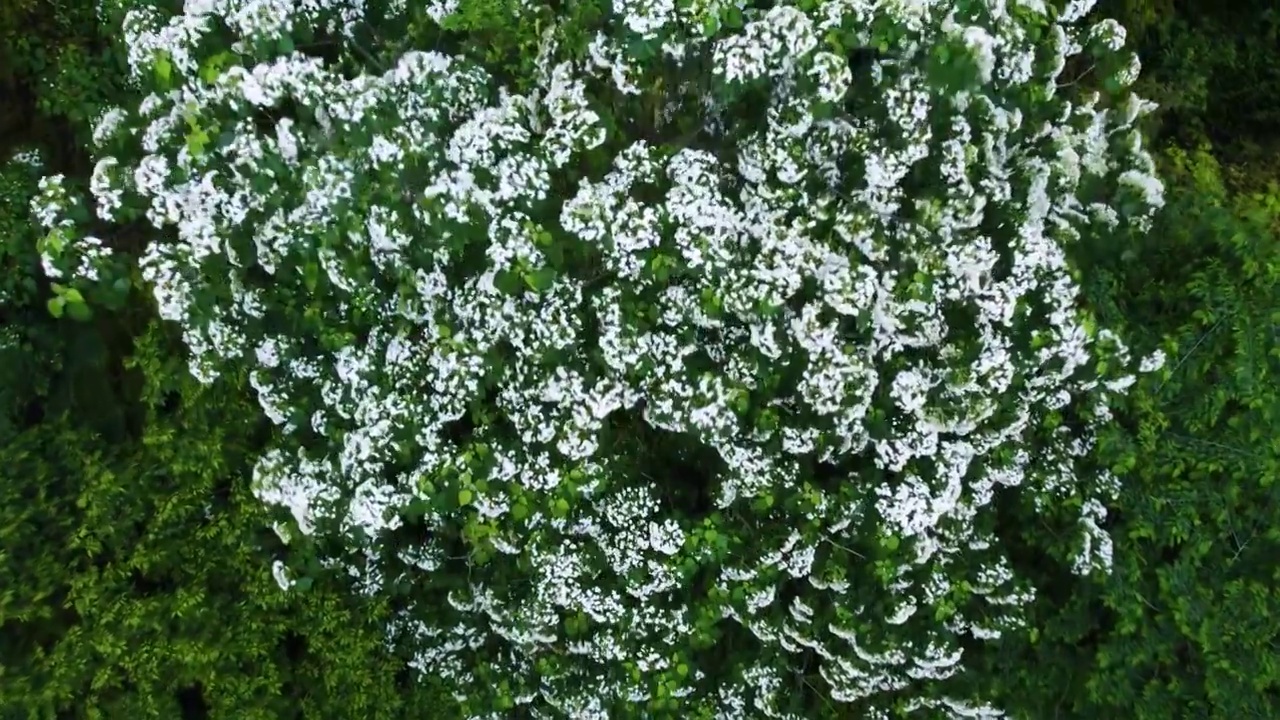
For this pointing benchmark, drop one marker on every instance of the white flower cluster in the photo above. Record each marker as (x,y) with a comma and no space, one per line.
(64,255)
(864,317)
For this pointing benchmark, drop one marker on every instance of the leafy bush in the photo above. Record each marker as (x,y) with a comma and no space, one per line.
(1186,624)
(57,73)
(683,363)
(1195,607)
(133,563)
(1211,67)
(136,580)
(27,347)
(134,575)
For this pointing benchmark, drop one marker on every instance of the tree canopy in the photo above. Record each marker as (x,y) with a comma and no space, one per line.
(804,359)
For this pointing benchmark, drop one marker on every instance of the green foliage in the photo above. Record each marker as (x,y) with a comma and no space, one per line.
(136,579)
(1196,616)
(134,560)
(26,348)
(1187,624)
(134,563)
(1211,66)
(57,73)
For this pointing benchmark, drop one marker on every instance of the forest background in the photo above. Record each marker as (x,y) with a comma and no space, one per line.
(135,563)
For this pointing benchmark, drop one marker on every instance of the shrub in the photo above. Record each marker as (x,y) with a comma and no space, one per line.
(26,348)
(1194,605)
(1211,66)
(134,577)
(1185,624)
(137,579)
(683,363)
(56,74)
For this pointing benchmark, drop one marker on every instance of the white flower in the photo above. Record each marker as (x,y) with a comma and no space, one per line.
(983,46)
(612,365)
(1151,188)
(108,126)
(1152,362)
(281,575)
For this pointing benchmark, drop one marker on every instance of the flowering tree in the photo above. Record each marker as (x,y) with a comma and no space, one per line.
(652,354)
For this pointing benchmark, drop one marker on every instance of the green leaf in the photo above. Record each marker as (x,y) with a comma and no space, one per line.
(196,140)
(310,275)
(55,306)
(507,282)
(540,279)
(79,312)
(464,497)
(212,68)
(163,70)
(53,242)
